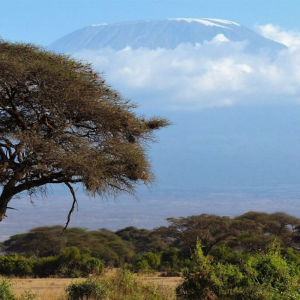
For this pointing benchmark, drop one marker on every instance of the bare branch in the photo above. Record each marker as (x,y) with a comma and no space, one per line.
(72,207)
(12,208)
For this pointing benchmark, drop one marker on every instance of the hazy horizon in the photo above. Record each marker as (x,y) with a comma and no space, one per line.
(234,142)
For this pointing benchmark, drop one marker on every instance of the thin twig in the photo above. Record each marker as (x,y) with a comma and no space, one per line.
(12,208)
(72,207)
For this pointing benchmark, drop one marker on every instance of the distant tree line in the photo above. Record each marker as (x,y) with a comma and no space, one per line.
(44,251)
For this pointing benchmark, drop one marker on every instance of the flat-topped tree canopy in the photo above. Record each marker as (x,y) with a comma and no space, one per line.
(61,123)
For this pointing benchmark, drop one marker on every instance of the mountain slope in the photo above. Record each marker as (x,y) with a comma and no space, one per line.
(160,34)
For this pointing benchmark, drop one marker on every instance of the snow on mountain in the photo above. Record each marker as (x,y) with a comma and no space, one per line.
(166,34)
(206,22)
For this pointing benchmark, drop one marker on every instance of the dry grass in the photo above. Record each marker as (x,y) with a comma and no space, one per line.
(54,288)
(46,288)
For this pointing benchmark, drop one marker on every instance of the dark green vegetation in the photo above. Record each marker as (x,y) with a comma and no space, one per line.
(167,249)
(251,256)
(257,276)
(70,263)
(60,123)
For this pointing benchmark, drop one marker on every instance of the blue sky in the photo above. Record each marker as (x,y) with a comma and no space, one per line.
(247,153)
(44,21)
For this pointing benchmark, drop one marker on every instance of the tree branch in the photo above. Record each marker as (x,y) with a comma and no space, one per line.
(2,154)
(72,207)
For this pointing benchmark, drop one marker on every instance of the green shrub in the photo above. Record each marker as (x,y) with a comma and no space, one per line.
(76,263)
(265,276)
(16,265)
(6,291)
(171,261)
(46,266)
(123,286)
(142,266)
(88,289)
(71,263)
(92,265)
(153,259)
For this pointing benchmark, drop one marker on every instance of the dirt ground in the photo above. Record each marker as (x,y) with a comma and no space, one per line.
(54,288)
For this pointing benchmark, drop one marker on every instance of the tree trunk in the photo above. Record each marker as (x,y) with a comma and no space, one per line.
(5,197)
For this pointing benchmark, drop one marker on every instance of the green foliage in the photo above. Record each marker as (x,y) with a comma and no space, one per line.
(44,252)
(46,266)
(262,276)
(16,265)
(6,290)
(147,263)
(123,286)
(48,241)
(292,256)
(153,259)
(70,263)
(169,262)
(253,231)
(172,260)
(225,254)
(250,232)
(143,240)
(142,266)
(38,242)
(89,289)
(74,263)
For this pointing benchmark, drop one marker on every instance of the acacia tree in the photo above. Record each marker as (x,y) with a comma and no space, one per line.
(60,123)
(184,232)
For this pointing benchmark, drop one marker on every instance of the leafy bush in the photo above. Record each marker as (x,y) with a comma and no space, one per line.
(16,265)
(142,266)
(76,263)
(265,276)
(6,291)
(71,263)
(46,266)
(172,261)
(153,259)
(123,286)
(89,289)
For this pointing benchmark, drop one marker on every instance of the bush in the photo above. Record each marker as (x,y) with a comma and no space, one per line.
(172,260)
(6,291)
(46,266)
(76,263)
(89,289)
(71,263)
(123,286)
(16,265)
(260,277)
(153,259)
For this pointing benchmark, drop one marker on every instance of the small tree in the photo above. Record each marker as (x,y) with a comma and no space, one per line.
(60,123)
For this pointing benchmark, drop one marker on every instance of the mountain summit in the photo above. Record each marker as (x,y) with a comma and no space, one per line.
(166,34)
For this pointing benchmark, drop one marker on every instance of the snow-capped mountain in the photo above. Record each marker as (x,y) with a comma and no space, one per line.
(233,101)
(167,34)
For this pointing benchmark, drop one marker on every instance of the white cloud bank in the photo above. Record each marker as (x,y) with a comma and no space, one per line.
(213,74)
(276,33)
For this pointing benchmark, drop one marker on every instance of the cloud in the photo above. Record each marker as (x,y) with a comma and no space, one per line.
(276,33)
(213,74)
